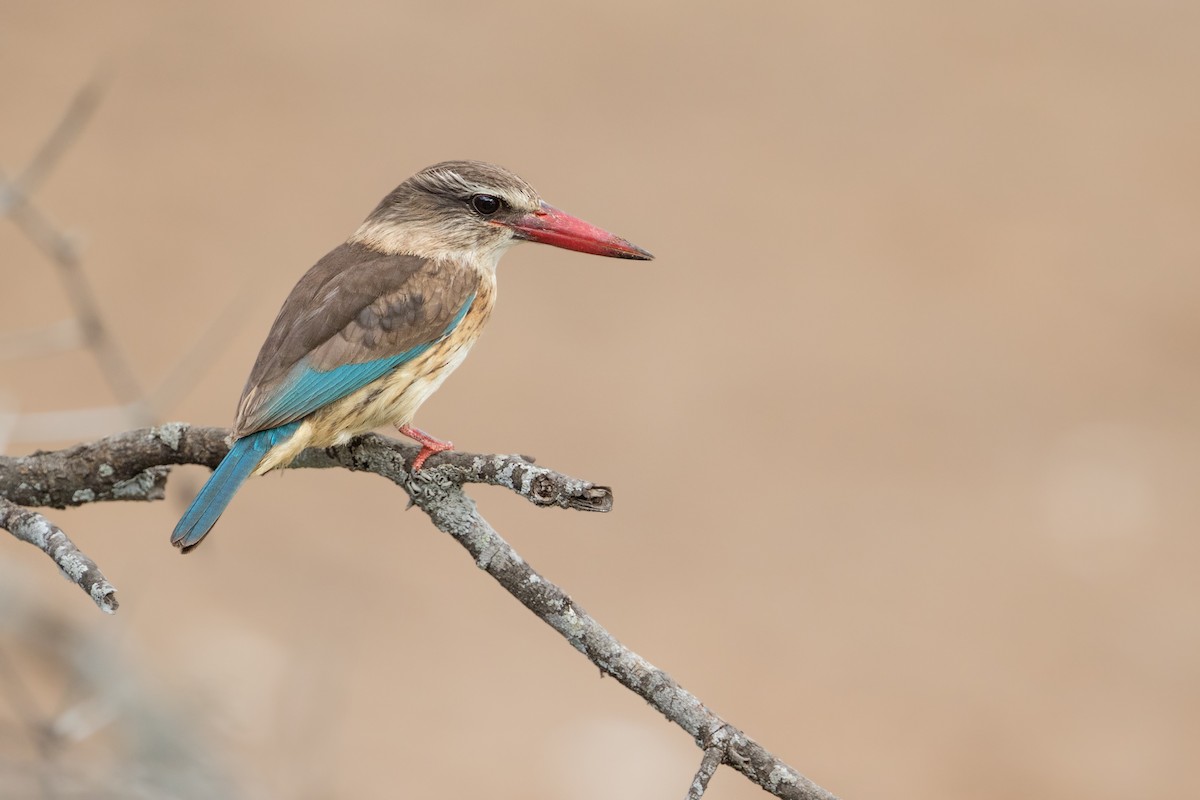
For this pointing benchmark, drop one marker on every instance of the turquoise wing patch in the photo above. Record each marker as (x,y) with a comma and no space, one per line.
(308,389)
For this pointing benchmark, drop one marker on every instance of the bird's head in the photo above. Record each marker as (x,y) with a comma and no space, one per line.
(470,210)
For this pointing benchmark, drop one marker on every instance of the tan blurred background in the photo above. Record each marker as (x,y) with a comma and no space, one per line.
(902,421)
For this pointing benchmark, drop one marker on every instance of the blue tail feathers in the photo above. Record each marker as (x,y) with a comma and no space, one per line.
(226,479)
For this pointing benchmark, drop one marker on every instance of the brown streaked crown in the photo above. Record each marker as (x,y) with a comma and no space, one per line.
(433,213)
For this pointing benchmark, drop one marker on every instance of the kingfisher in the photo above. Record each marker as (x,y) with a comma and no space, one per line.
(372,330)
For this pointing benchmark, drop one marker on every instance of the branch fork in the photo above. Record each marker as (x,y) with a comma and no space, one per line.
(134,466)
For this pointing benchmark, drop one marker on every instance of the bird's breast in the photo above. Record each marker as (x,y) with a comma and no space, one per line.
(395,398)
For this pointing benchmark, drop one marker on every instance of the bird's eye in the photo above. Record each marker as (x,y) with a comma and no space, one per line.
(486,204)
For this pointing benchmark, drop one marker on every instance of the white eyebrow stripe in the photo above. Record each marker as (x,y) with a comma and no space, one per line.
(449,181)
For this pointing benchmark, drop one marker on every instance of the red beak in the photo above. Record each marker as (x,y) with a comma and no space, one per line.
(548,225)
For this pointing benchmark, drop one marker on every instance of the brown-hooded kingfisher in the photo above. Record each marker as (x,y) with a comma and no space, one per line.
(372,330)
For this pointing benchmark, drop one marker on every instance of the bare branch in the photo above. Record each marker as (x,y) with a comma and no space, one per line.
(128,466)
(133,465)
(388,458)
(30,526)
(454,513)
(708,767)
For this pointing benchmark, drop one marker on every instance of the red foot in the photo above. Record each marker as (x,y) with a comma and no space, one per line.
(429,445)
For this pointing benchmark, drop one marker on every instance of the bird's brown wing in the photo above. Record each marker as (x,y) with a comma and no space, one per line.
(353,317)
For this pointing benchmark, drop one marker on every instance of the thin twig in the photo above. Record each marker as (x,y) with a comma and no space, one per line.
(708,767)
(455,513)
(30,526)
(130,466)
(77,115)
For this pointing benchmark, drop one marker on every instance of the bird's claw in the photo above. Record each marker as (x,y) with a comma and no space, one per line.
(429,445)
(427,451)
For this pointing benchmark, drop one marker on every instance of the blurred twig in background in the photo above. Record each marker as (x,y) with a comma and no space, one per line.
(131,466)
(134,466)
(87,328)
(104,735)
